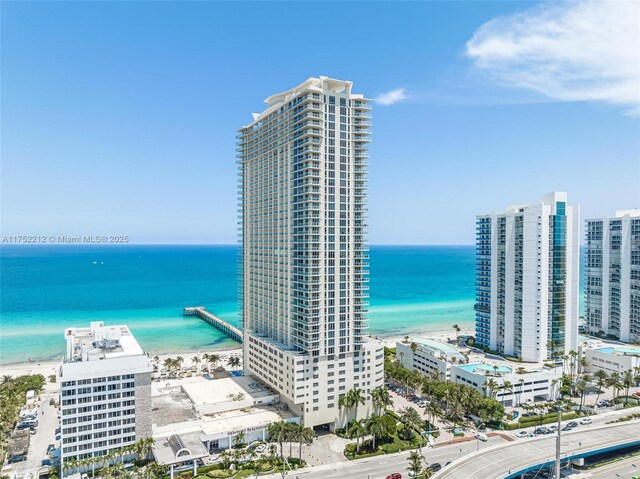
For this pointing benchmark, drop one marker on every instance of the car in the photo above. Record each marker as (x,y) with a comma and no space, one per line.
(567,428)
(58,436)
(32,431)
(261,448)
(481,437)
(552,428)
(572,423)
(586,420)
(50,448)
(17,458)
(435,467)
(52,402)
(395,475)
(522,434)
(539,430)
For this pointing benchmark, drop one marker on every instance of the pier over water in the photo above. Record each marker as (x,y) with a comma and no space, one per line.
(220,324)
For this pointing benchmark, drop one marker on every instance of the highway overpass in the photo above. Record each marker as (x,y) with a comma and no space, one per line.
(507,461)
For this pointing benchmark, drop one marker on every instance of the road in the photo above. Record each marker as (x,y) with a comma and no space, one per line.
(379,467)
(625,469)
(497,462)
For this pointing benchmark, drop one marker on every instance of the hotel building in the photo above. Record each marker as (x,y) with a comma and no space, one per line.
(105,391)
(433,359)
(612,276)
(304,262)
(527,270)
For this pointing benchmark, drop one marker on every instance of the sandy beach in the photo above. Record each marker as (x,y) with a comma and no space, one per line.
(47,368)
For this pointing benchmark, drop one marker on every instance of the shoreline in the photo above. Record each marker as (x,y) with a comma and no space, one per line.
(48,367)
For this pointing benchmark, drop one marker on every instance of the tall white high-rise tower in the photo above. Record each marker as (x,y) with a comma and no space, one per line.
(304,263)
(527,263)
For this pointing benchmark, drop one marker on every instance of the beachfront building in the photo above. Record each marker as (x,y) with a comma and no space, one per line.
(614,358)
(197,416)
(612,276)
(527,274)
(105,391)
(510,387)
(304,261)
(430,357)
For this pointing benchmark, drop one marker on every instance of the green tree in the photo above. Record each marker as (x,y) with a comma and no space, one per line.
(376,427)
(381,398)
(356,431)
(415,463)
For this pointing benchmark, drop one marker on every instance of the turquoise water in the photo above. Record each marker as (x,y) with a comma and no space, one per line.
(48,288)
(485,367)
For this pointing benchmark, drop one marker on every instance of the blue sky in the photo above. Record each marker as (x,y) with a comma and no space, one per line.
(120,118)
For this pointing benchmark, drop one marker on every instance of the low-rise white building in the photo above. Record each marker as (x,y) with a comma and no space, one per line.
(612,359)
(219,413)
(105,391)
(524,385)
(430,357)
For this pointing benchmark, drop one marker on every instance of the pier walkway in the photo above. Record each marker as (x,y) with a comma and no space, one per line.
(221,325)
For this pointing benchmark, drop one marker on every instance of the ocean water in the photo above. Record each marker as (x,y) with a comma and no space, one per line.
(45,289)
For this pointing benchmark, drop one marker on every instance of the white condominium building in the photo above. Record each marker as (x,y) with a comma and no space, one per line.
(527,271)
(105,391)
(304,263)
(612,276)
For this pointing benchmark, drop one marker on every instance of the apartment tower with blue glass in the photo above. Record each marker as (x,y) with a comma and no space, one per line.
(304,260)
(527,273)
(612,276)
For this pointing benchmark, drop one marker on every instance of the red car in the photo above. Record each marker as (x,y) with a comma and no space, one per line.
(395,475)
(637,393)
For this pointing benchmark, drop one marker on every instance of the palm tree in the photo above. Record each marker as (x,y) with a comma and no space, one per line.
(306,435)
(376,427)
(411,420)
(233,362)
(278,432)
(357,430)
(196,361)
(381,398)
(628,380)
(432,410)
(615,383)
(415,463)
(506,387)
(492,388)
(457,329)
(356,398)
(601,382)
(213,360)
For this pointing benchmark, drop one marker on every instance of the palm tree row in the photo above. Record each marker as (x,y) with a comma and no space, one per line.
(141,449)
(282,431)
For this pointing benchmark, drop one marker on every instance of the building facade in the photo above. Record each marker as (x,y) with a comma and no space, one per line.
(105,392)
(612,276)
(304,261)
(615,358)
(510,387)
(527,272)
(433,359)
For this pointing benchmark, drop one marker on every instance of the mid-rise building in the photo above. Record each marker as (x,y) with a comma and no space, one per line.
(612,276)
(613,358)
(527,271)
(105,392)
(304,261)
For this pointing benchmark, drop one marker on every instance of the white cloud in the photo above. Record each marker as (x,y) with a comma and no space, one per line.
(391,97)
(573,51)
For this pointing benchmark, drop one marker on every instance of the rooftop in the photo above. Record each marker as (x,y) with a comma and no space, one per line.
(447,349)
(620,350)
(100,342)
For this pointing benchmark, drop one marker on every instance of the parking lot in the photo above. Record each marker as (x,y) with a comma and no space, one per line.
(45,435)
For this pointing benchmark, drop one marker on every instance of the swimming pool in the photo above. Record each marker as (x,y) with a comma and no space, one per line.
(620,350)
(486,367)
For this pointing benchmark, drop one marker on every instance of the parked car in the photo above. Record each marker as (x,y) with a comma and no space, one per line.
(522,433)
(481,437)
(539,430)
(552,428)
(261,448)
(572,423)
(435,467)
(586,420)
(17,458)
(58,436)
(32,431)
(395,475)
(52,402)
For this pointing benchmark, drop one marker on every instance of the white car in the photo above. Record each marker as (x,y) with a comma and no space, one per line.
(261,448)
(522,434)
(586,420)
(481,437)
